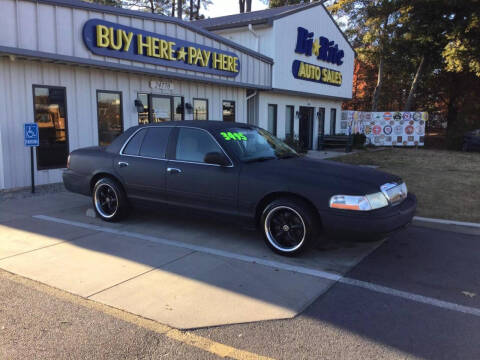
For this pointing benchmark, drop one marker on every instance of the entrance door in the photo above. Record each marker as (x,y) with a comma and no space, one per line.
(161,108)
(305,130)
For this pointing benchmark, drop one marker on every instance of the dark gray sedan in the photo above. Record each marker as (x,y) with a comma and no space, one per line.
(242,170)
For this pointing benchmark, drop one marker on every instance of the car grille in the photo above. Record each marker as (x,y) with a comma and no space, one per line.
(395,193)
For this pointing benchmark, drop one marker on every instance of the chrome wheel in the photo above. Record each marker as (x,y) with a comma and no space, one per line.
(285,229)
(106,200)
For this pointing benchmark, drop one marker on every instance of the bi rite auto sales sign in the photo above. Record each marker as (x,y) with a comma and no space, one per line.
(113,40)
(322,49)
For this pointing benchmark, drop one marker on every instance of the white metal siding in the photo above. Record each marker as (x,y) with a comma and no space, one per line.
(16,108)
(58,30)
(282,100)
(278,42)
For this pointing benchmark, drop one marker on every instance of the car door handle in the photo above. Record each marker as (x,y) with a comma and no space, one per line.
(173,170)
(122,164)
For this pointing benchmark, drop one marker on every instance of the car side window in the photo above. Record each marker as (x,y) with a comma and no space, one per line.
(133,146)
(155,142)
(194,144)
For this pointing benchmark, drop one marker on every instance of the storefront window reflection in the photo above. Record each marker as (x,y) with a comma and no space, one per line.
(272,119)
(51,117)
(161,108)
(289,121)
(228,110)
(143,115)
(178,108)
(110,123)
(200,109)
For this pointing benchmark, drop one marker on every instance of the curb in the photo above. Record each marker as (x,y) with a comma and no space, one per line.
(447,222)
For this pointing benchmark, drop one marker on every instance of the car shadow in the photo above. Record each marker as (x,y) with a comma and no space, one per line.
(144,241)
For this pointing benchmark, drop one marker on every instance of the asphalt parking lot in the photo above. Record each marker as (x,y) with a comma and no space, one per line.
(412,296)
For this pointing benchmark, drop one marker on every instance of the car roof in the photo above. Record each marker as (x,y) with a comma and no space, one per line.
(202,124)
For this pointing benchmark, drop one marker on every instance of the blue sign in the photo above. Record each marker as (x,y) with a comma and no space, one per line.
(321,47)
(30,132)
(123,42)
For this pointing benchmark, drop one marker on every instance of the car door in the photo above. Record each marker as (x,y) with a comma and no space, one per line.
(141,164)
(191,181)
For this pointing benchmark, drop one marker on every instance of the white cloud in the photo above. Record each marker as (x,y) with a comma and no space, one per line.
(229,7)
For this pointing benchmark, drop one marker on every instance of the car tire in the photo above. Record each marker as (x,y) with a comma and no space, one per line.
(109,200)
(289,226)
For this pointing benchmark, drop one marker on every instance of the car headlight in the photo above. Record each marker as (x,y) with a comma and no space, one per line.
(359,203)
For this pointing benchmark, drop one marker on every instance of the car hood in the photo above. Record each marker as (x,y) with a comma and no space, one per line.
(334,175)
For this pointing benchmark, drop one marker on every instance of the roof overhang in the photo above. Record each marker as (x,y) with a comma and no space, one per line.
(308,95)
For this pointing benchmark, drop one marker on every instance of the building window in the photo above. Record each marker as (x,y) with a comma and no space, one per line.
(110,119)
(333,121)
(321,121)
(143,116)
(200,109)
(178,108)
(50,107)
(272,119)
(289,121)
(160,108)
(228,110)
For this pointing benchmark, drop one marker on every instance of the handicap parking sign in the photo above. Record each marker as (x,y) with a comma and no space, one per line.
(30,132)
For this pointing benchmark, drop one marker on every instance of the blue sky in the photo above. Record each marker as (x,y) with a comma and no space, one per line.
(229,7)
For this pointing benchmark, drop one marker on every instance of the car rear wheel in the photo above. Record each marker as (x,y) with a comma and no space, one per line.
(288,226)
(109,200)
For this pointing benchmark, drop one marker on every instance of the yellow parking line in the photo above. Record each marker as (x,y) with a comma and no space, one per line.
(184,337)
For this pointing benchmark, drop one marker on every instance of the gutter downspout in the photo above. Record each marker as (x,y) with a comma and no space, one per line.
(257,38)
(252,95)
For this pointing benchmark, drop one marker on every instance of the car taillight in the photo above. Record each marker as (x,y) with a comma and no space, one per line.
(68,162)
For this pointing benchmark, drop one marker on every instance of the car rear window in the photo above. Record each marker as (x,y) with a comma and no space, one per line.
(133,146)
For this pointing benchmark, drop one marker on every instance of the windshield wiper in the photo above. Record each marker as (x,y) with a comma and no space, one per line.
(261,158)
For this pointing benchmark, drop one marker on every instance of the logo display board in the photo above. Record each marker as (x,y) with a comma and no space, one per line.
(389,128)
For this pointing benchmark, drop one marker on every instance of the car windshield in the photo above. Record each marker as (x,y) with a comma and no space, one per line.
(254,144)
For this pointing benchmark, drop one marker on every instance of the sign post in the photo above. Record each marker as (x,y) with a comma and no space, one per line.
(31,139)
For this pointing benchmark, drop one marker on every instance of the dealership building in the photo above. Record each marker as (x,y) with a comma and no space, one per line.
(85,72)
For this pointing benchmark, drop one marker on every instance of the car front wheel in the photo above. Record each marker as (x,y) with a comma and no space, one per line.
(109,200)
(288,226)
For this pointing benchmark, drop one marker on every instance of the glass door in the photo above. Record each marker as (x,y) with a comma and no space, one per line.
(161,108)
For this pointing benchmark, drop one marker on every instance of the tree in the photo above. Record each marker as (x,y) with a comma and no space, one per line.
(153,6)
(193,11)
(278,3)
(117,3)
(245,5)
(180,9)
(426,54)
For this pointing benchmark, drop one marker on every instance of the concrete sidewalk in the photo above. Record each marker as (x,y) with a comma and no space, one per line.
(176,280)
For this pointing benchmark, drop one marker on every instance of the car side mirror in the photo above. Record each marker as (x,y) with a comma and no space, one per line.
(216,158)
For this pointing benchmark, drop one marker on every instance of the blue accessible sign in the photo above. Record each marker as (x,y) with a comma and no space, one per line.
(30,133)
